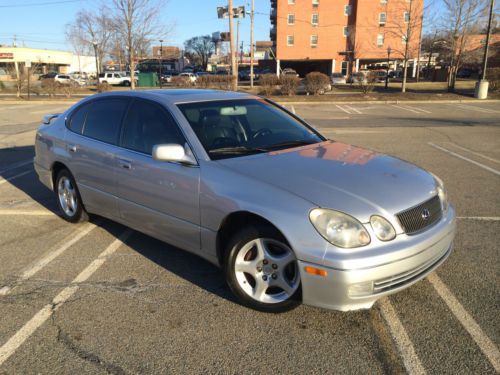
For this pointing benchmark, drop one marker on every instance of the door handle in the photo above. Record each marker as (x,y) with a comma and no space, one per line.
(72,148)
(126,164)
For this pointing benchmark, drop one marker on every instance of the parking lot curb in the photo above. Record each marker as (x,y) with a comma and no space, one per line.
(393,102)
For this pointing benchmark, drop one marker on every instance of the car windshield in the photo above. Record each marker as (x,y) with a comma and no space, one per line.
(337,75)
(231,128)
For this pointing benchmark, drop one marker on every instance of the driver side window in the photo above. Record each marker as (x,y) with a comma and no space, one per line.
(148,124)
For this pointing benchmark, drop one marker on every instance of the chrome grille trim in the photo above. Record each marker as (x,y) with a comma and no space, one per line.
(411,220)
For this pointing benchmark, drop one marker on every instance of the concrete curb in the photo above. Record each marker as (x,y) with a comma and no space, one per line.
(446,101)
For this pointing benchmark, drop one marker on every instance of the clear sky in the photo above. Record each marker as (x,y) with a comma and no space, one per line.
(43,26)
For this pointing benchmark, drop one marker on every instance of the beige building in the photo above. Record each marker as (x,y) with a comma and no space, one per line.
(43,61)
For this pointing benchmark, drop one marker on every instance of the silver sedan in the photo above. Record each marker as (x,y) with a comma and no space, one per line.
(288,215)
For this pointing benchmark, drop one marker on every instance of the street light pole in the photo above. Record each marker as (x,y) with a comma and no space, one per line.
(251,44)
(387,69)
(161,58)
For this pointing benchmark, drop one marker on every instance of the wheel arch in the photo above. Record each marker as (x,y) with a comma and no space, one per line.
(57,167)
(233,222)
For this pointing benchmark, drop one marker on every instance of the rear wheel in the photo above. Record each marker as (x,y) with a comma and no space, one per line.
(68,198)
(262,271)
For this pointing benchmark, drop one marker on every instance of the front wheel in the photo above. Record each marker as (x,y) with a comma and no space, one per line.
(262,271)
(68,198)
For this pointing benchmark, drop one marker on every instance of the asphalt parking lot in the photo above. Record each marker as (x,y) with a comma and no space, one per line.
(99,298)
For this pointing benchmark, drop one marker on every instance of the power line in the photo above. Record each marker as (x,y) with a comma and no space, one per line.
(39,4)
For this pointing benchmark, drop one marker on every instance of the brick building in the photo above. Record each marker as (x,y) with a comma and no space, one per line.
(344,35)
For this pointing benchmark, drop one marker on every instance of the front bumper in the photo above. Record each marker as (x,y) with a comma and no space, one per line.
(359,288)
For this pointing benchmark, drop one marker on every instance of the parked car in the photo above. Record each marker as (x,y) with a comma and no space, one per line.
(191,76)
(49,75)
(338,79)
(63,79)
(379,75)
(358,78)
(115,79)
(288,215)
(289,71)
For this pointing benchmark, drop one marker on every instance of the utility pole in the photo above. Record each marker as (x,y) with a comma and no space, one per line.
(251,43)
(481,91)
(161,58)
(419,47)
(237,42)
(232,47)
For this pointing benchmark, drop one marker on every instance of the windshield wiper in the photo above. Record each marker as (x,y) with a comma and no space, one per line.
(294,143)
(237,150)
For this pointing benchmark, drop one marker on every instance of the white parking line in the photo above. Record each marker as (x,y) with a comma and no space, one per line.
(343,109)
(474,152)
(405,108)
(293,109)
(483,218)
(45,313)
(465,158)
(354,110)
(4,180)
(477,109)
(485,344)
(26,213)
(16,165)
(41,263)
(405,346)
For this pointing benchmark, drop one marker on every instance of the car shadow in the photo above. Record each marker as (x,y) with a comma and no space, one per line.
(185,265)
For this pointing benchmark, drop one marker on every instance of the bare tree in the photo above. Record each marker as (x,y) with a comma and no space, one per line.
(406,24)
(138,22)
(461,18)
(201,47)
(88,28)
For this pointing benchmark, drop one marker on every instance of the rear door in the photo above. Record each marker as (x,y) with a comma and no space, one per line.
(92,144)
(157,197)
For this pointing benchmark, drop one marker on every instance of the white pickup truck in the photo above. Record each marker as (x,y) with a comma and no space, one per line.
(115,79)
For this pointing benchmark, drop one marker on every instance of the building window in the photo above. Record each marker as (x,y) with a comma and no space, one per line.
(346,31)
(291,19)
(407,17)
(315,3)
(289,40)
(291,2)
(343,67)
(380,40)
(314,41)
(347,10)
(382,18)
(404,39)
(315,19)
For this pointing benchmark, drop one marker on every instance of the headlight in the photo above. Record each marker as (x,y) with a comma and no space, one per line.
(382,228)
(442,193)
(339,229)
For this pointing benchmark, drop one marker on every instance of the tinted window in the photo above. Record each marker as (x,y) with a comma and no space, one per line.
(104,118)
(148,124)
(78,119)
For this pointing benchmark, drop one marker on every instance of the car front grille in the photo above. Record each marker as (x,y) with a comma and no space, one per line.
(401,279)
(420,217)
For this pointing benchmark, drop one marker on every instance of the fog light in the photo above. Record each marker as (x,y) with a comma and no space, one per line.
(361,289)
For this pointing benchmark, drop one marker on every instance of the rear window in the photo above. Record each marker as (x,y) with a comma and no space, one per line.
(78,119)
(104,118)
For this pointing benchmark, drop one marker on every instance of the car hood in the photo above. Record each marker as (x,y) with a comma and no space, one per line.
(342,177)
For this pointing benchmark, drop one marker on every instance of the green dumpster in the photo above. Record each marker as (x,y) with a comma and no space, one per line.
(148,80)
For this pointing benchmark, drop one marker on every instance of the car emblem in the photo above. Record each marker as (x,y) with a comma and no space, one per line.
(425,214)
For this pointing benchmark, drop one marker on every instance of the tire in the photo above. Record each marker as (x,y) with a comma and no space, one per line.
(262,271)
(68,198)
(126,83)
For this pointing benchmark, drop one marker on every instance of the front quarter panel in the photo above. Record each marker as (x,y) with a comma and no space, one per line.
(223,192)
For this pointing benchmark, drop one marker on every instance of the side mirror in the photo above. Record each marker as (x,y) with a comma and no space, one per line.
(173,153)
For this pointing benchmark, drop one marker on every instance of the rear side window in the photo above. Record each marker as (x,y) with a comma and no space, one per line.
(104,118)
(78,119)
(148,124)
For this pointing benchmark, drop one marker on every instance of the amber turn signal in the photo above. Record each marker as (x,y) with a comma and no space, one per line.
(315,271)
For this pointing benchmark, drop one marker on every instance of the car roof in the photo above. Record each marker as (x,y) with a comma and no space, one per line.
(177,96)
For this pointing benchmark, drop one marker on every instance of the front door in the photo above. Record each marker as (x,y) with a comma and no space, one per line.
(157,197)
